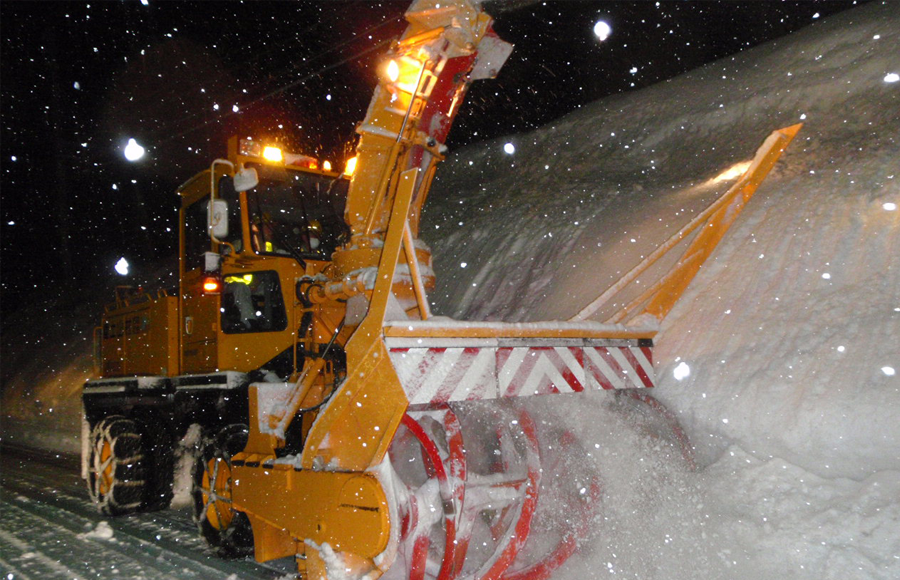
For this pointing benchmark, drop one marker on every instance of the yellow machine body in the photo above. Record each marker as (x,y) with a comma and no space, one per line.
(135,337)
(325,328)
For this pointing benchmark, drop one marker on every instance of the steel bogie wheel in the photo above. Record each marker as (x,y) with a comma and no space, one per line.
(117,473)
(226,530)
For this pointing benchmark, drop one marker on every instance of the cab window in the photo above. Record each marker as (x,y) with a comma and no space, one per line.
(252,302)
(293,213)
(196,234)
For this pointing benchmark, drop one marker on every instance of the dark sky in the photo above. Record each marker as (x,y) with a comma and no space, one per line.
(79,78)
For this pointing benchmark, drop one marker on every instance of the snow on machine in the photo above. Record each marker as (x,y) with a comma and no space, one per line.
(342,423)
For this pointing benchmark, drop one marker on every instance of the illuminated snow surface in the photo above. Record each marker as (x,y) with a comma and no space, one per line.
(787,401)
(794,420)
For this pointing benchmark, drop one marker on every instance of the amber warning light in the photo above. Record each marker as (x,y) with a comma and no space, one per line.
(351,166)
(211,285)
(252,148)
(404,73)
(272,154)
(393,71)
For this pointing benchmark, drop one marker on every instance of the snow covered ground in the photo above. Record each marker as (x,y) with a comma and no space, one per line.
(791,332)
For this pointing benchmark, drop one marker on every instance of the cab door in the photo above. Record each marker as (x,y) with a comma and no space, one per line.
(199,325)
(199,311)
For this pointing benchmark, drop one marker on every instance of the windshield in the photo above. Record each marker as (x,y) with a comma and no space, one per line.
(296,213)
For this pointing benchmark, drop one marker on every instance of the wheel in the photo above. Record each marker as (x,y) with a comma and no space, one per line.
(469,480)
(224,528)
(117,472)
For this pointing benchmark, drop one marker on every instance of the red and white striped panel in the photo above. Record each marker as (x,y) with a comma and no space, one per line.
(620,368)
(431,375)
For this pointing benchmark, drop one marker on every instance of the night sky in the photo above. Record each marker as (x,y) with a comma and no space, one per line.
(80,78)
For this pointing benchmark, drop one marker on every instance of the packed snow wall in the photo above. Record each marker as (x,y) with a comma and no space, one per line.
(790,331)
(781,358)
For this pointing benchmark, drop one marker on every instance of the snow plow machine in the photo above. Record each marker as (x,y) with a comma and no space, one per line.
(336,420)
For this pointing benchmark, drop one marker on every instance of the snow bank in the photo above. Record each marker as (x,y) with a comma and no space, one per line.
(796,312)
(790,331)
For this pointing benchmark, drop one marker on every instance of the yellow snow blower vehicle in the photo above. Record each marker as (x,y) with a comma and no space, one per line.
(341,423)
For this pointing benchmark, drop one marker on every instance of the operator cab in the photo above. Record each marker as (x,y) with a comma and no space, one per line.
(293,210)
(251,226)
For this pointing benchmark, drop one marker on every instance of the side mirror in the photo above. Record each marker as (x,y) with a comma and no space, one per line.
(218,219)
(245,179)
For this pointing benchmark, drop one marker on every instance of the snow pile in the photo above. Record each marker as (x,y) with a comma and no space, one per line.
(785,345)
(103,531)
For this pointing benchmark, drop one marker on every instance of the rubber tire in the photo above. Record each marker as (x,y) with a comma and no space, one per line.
(236,539)
(117,473)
